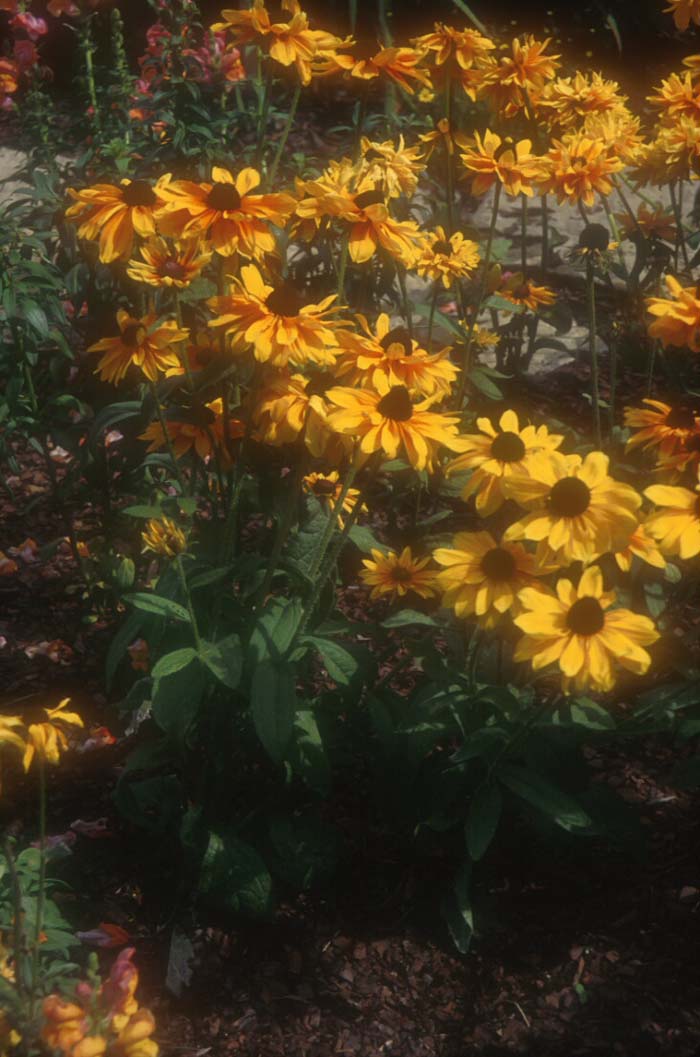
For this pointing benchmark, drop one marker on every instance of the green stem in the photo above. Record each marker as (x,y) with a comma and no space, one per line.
(651,363)
(334,512)
(466,10)
(612,352)
(449,182)
(166,435)
(545,234)
(592,338)
(284,524)
(18,917)
(431,317)
(405,304)
(263,113)
(188,599)
(523,235)
(680,234)
(41,893)
(88,49)
(343,268)
(285,135)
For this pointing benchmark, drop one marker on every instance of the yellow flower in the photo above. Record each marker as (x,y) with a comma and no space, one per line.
(574,98)
(204,434)
(444,259)
(392,354)
(673,155)
(134,1039)
(494,159)
(525,292)
(65,1023)
(684,11)
(661,426)
(395,168)
(641,545)
(9,725)
(677,319)
(442,136)
(495,454)
(144,343)
(677,95)
(517,80)
(113,214)
(398,64)
(677,525)
(396,574)
(580,511)
(277,321)
(577,629)
(327,488)
(482,577)
(388,421)
(164,537)
(620,132)
(224,211)
(465,46)
(163,266)
(287,405)
(576,167)
(46,737)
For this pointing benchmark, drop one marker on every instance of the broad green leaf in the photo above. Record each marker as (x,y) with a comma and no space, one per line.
(365,540)
(209,577)
(306,847)
(273,706)
(176,701)
(308,754)
(273,633)
(234,878)
(339,662)
(224,659)
(154,804)
(405,617)
(143,511)
(547,798)
(484,816)
(126,634)
(173,662)
(164,607)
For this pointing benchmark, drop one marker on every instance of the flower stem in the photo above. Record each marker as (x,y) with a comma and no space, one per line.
(335,510)
(285,135)
(545,233)
(166,435)
(680,234)
(41,893)
(405,303)
(449,171)
(523,234)
(188,599)
(263,111)
(431,317)
(595,385)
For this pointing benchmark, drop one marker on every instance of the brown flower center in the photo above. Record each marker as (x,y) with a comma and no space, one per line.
(401,574)
(323,487)
(693,443)
(133,335)
(224,197)
(396,404)
(319,384)
(594,237)
(285,300)
(586,617)
(696,507)
(680,417)
(498,564)
(521,292)
(442,246)
(173,270)
(369,198)
(139,193)
(508,447)
(569,497)
(372,154)
(398,336)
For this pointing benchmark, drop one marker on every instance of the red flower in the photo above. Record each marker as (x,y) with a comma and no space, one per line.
(25,54)
(34,27)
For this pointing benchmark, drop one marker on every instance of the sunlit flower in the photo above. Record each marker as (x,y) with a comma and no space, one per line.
(396,574)
(574,98)
(482,577)
(580,511)
(577,629)
(390,353)
(673,155)
(620,131)
(465,46)
(119,990)
(398,64)
(287,405)
(442,136)
(494,159)
(495,454)
(642,546)
(444,259)
(204,433)
(145,343)
(201,349)
(684,11)
(65,1024)
(278,321)
(516,80)
(388,421)
(111,215)
(677,319)
(521,291)
(678,94)
(394,167)
(163,265)
(677,525)
(662,426)
(225,211)
(576,167)
(327,488)
(46,737)
(164,537)
(134,1039)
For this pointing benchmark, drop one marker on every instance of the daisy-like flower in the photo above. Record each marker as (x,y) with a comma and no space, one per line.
(662,426)
(400,65)
(521,291)
(111,215)
(684,12)
(145,343)
(495,454)
(655,223)
(162,536)
(577,629)
(391,354)
(203,434)
(678,94)
(677,525)
(396,574)
(677,318)
(287,405)
(278,321)
(388,421)
(580,511)
(482,577)
(673,155)
(394,167)
(515,81)
(642,546)
(163,265)
(442,137)
(46,737)
(465,46)
(572,99)
(493,159)
(225,211)
(576,167)
(327,487)
(620,131)
(444,259)
(200,351)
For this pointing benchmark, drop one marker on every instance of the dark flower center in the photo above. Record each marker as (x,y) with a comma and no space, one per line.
(223,197)
(372,154)
(139,193)
(319,384)
(507,447)
(369,198)
(569,497)
(442,246)
(398,336)
(498,564)
(680,417)
(401,574)
(586,617)
(34,714)
(693,443)
(396,404)
(507,145)
(521,291)
(173,270)
(323,487)
(594,237)
(285,300)
(133,335)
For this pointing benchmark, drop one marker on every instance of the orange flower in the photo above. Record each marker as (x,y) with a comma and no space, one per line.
(225,212)
(684,11)
(119,990)
(576,167)
(113,214)
(678,94)
(396,574)
(654,223)
(203,435)
(143,343)
(444,260)
(517,80)
(572,99)
(465,46)
(398,64)
(391,354)
(525,292)
(392,166)
(288,405)
(662,426)
(327,487)
(65,1023)
(163,266)
(677,319)
(494,159)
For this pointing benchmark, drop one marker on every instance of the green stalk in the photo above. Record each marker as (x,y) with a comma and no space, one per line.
(284,525)
(405,304)
(595,385)
(166,435)
(651,363)
(431,317)
(545,234)
(285,135)
(334,512)
(41,895)
(343,268)
(17,937)
(188,599)
(680,234)
(88,51)
(523,234)
(263,112)
(466,10)
(449,182)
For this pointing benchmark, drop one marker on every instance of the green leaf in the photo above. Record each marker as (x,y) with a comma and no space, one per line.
(209,577)
(234,878)
(117,647)
(481,381)
(544,796)
(125,574)
(273,706)
(273,633)
(457,910)
(339,662)
(495,301)
(176,700)
(173,662)
(408,616)
(587,713)
(365,540)
(484,816)
(224,659)
(306,849)
(143,511)
(308,753)
(34,314)
(163,607)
